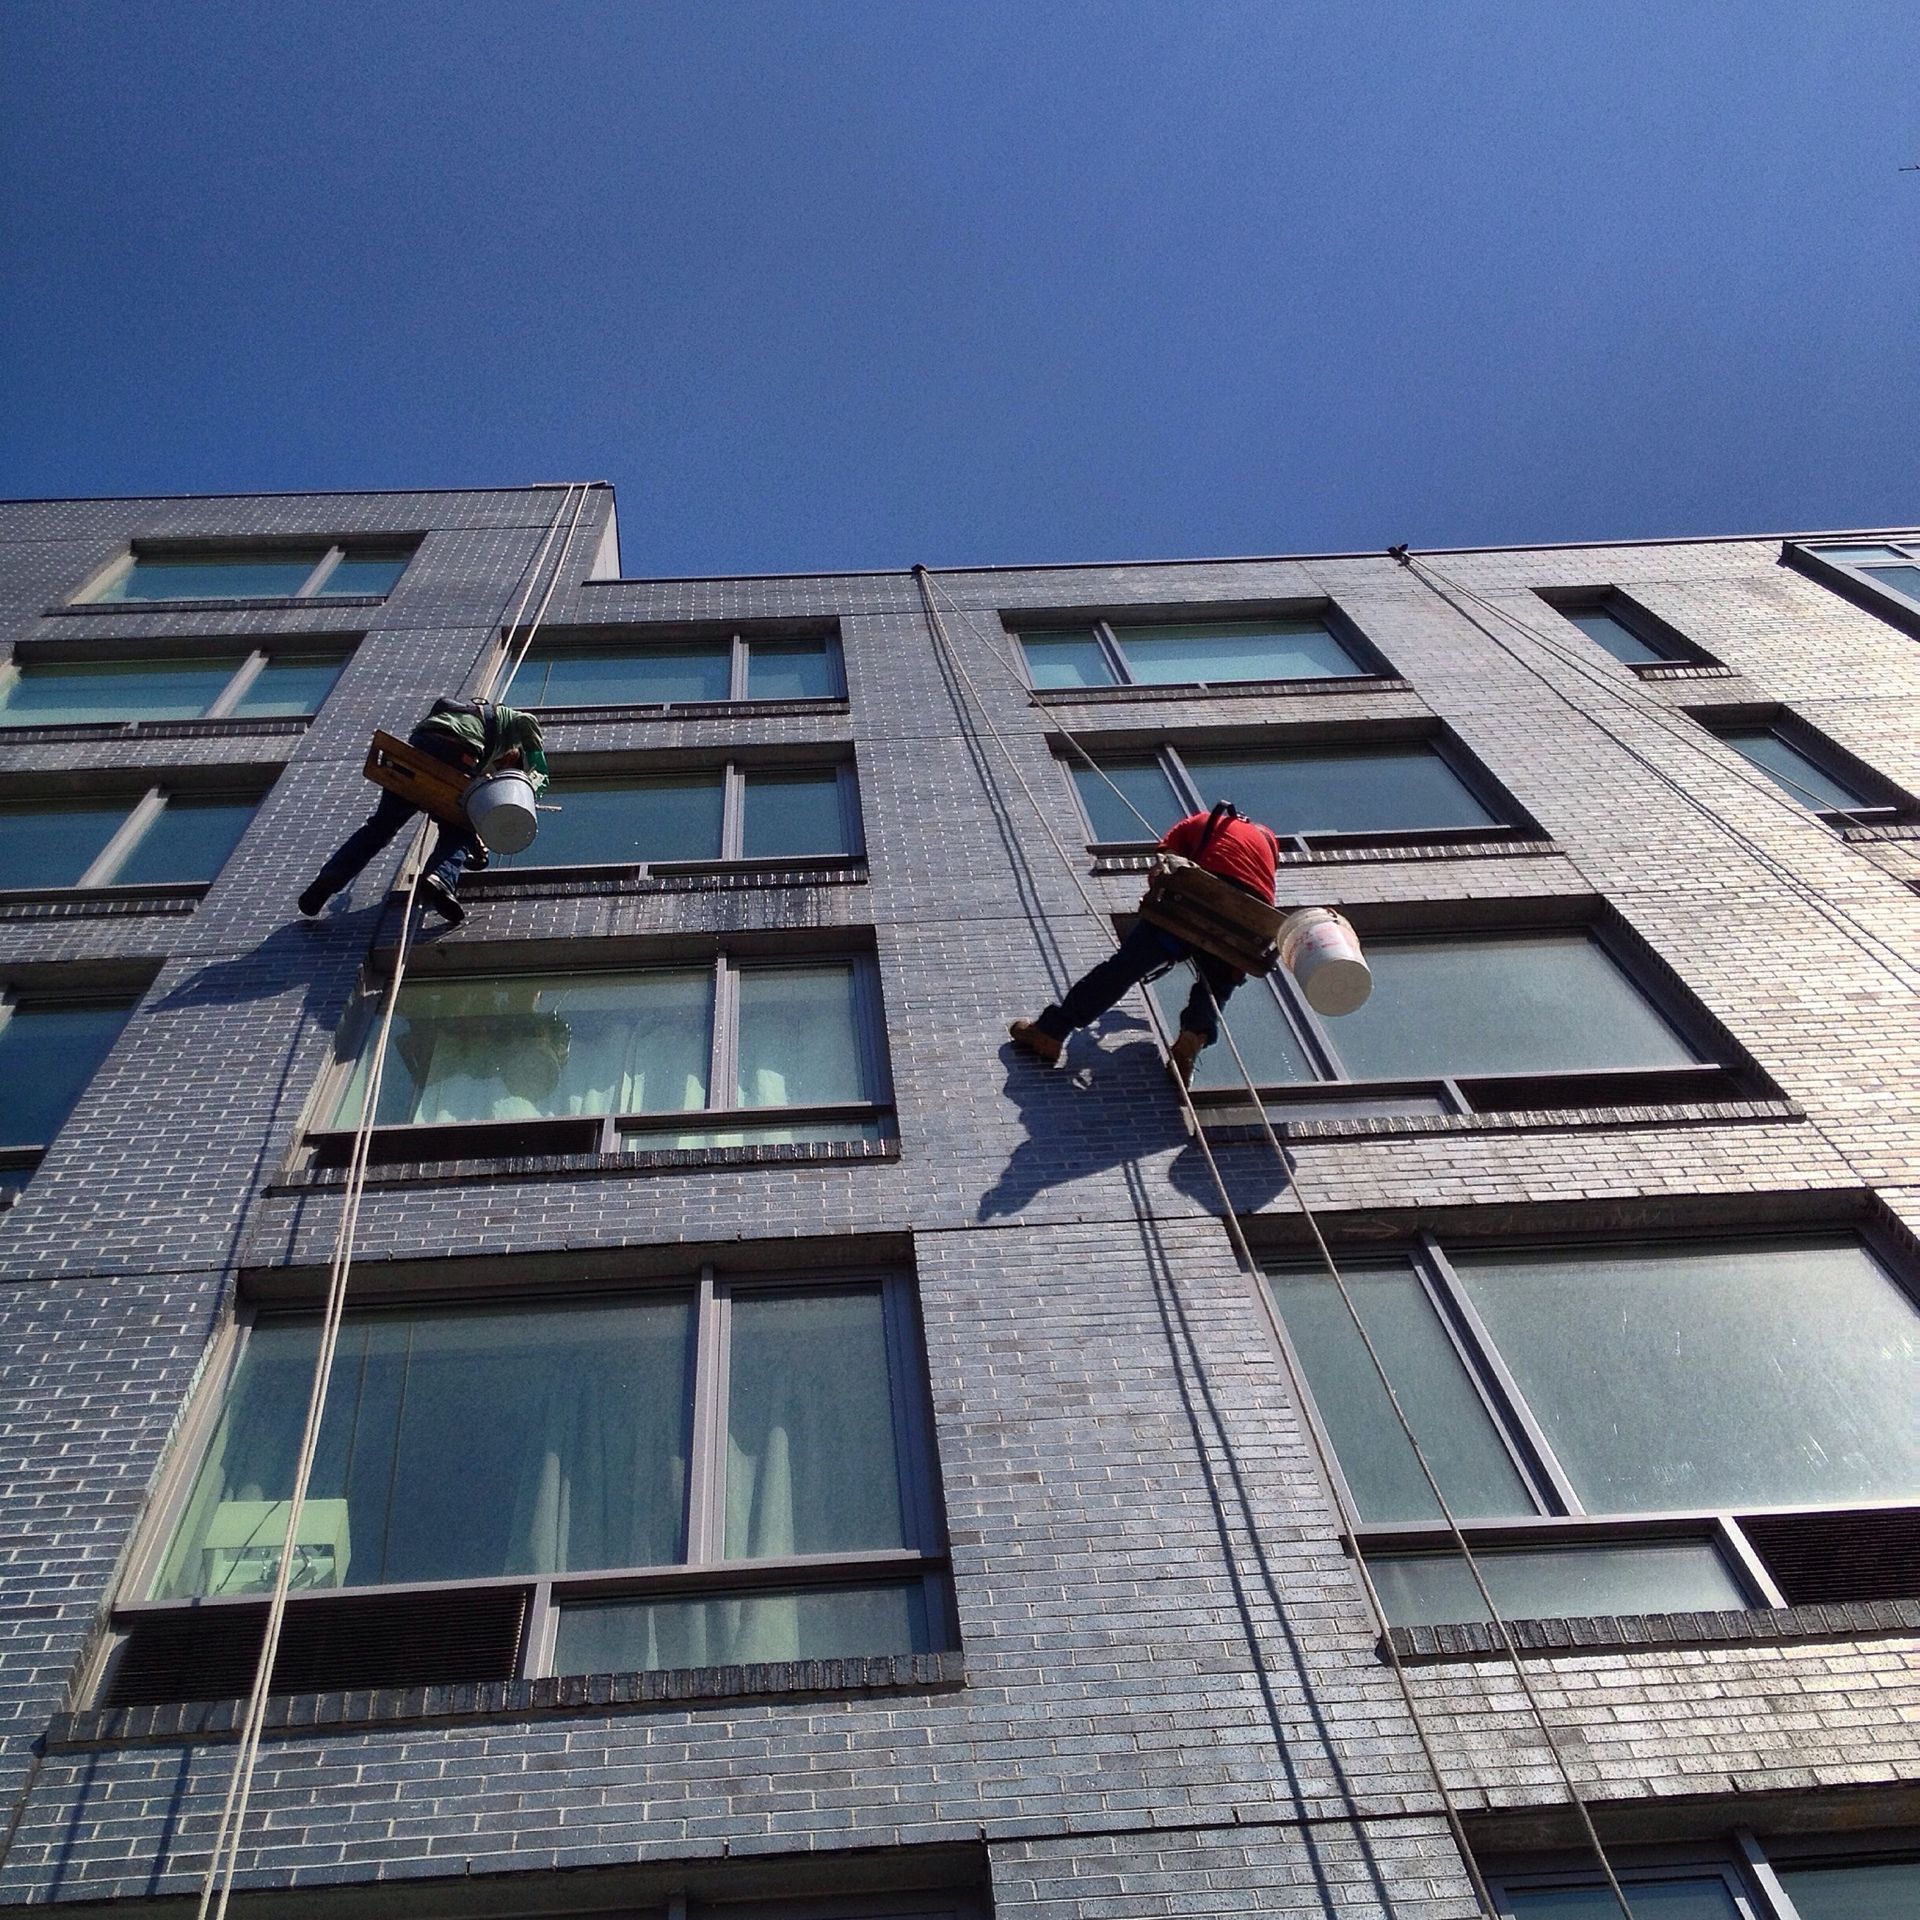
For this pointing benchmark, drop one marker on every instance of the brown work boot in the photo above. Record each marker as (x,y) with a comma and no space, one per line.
(1183,1053)
(1036,1041)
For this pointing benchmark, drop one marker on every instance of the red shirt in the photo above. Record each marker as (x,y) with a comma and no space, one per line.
(1240,850)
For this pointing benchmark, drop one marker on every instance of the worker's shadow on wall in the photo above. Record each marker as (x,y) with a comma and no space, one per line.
(1109,1104)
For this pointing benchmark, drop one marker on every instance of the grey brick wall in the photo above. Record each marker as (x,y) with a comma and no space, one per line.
(1174,1701)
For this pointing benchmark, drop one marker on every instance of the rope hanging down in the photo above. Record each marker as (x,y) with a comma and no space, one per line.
(217,1886)
(1256,1284)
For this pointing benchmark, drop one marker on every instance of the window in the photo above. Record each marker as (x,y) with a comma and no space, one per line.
(245,686)
(1105,653)
(1887,568)
(694,1476)
(734,1053)
(635,672)
(166,837)
(1648,1399)
(710,814)
(1408,790)
(1630,633)
(1810,769)
(49,1050)
(1469,1022)
(254,573)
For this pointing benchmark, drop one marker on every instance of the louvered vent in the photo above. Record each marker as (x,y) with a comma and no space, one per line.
(1820,1558)
(340,1641)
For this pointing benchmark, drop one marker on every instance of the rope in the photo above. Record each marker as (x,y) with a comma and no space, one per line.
(217,1886)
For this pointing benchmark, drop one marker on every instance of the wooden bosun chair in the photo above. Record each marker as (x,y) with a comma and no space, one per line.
(429,784)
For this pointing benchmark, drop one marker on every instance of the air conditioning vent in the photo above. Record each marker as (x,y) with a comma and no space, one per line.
(1819,1558)
(329,1642)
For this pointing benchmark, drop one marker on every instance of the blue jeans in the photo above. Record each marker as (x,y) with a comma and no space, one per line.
(1147,949)
(453,847)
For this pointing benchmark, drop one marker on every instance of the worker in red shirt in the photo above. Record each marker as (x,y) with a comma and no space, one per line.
(1239,851)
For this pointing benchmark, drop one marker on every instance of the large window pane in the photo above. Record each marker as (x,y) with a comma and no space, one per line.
(454,1445)
(799,1037)
(816,1623)
(674,817)
(788,814)
(1864,1890)
(1556,1583)
(1267,1044)
(789,670)
(1365,790)
(52,846)
(1712,1377)
(190,841)
(1459,1439)
(542,1046)
(79,692)
(1619,639)
(1790,769)
(181,576)
(1703,1899)
(811,1462)
(366,573)
(290,685)
(1510,1003)
(611,677)
(1904,579)
(1146,787)
(47,1056)
(1066,659)
(1227,650)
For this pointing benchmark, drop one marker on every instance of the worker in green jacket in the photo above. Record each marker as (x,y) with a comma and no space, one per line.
(477,736)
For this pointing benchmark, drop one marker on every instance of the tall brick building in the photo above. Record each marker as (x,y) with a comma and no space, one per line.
(787,1453)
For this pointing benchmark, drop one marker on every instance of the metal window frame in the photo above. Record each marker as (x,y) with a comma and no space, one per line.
(1646,626)
(1907,547)
(1714,1866)
(738,645)
(331,553)
(25,1155)
(147,805)
(1368,661)
(1877,800)
(702,1565)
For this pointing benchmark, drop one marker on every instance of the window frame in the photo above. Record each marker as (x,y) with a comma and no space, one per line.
(1645,626)
(1852,582)
(26,1156)
(146,804)
(1105,630)
(703,1571)
(333,551)
(1510,821)
(739,637)
(1561,1519)
(249,662)
(1882,803)
(616,1133)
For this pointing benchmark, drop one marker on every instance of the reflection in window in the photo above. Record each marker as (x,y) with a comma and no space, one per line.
(48,1053)
(70,843)
(1706,1898)
(1893,567)
(675,672)
(85,693)
(1268,1045)
(1794,772)
(1384,789)
(786,815)
(1145,789)
(1853,1890)
(660,817)
(257,574)
(1556,1583)
(1187,652)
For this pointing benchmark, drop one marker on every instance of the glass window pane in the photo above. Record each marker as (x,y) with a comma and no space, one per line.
(1505,1004)
(290,685)
(1267,1044)
(1703,1899)
(796,1132)
(1790,770)
(1615,635)
(46,695)
(189,841)
(811,1463)
(1863,1890)
(1556,1583)
(799,1038)
(214,576)
(47,1056)
(1859,556)
(52,846)
(1227,650)
(366,573)
(1712,1377)
(610,677)
(1459,1438)
(1070,659)
(788,814)
(1904,579)
(1367,790)
(545,1046)
(790,670)
(1146,786)
(816,1623)
(674,817)
(456,1444)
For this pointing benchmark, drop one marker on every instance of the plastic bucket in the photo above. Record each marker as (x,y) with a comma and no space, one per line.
(1321,950)
(501,810)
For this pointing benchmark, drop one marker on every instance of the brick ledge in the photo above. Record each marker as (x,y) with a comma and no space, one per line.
(1520,1120)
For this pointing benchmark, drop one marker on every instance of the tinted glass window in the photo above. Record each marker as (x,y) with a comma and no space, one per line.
(366,573)
(1145,786)
(1902,579)
(76,693)
(1704,1899)
(289,685)
(1512,1003)
(790,670)
(1259,1029)
(672,817)
(789,814)
(1616,636)
(179,576)
(1070,658)
(1864,1890)
(47,1056)
(189,841)
(611,677)
(1556,1583)
(1228,650)
(1790,770)
(799,1038)
(52,846)
(1362,790)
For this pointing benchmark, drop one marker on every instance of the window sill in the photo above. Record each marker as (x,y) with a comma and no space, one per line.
(100,730)
(90,903)
(1138,859)
(1217,690)
(666,876)
(241,603)
(1753,1627)
(691,710)
(1874,830)
(1239,1128)
(1682,670)
(200,1721)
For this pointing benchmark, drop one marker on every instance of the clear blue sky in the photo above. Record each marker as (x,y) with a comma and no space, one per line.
(823,284)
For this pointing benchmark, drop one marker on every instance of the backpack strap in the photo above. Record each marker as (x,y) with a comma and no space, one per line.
(1223,811)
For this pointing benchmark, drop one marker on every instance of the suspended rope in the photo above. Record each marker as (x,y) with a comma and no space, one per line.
(217,1886)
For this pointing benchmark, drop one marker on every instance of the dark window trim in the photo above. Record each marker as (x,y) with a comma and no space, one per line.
(146,802)
(1881,803)
(1646,626)
(250,655)
(1883,602)
(739,635)
(332,549)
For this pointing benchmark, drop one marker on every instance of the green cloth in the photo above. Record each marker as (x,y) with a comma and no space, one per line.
(488,731)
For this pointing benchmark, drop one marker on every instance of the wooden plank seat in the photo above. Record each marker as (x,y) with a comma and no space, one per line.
(1211,914)
(417,777)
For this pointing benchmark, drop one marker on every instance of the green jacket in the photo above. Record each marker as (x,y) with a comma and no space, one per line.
(488,730)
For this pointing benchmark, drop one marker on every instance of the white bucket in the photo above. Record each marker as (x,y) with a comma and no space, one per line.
(502,812)
(1321,950)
